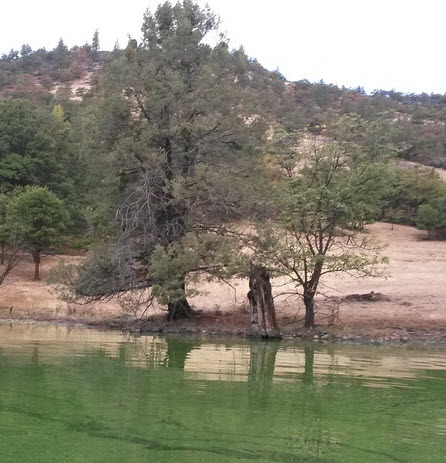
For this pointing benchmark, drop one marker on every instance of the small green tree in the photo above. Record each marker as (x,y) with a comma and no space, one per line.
(432,216)
(95,45)
(58,113)
(26,50)
(411,188)
(61,55)
(36,217)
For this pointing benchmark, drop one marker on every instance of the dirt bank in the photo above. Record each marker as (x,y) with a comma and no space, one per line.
(410,304)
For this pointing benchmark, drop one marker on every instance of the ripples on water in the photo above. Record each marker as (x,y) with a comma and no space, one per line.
(72,394)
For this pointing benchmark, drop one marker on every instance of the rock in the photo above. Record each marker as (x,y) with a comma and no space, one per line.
(372,297)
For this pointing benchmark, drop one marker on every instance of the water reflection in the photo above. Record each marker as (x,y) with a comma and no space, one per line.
(307,377)
(259,363)
(177,352)
(261,371)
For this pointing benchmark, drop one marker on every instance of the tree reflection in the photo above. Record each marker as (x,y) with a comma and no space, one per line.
(35,355)
(308,377)
(177,351)
(261,370)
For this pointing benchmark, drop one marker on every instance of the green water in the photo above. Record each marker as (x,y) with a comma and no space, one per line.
(77,395)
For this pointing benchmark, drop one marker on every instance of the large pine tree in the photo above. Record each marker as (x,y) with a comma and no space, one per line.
(180,123)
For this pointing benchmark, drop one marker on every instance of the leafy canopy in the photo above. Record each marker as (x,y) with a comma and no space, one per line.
(177,122)
(318,207)
(37,218)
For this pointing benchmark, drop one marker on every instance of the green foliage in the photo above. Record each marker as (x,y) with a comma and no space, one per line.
(428,217)
(206,256)
(432,216)
(284,150)
(327,196)
(38,147)
(377,138)
(95,45)
(31,146)
(63,273)
(32,74)
(319,212)
(4,229)
(58,113)
(37,218)
(172,119)
(63,277)
(412,187)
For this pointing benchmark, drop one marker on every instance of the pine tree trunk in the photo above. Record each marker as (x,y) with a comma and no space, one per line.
(263,314)
(36,257)
(3,254)
(309,309)
(179,309)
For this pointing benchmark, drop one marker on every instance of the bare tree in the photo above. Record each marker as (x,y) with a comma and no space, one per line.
(10,260)
(263,315)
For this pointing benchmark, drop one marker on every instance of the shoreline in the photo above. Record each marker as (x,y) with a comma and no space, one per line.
(407,306)
(188,327)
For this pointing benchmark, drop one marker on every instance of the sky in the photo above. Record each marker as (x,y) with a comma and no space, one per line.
(378,44)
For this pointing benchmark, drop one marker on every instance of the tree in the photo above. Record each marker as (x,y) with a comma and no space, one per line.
(12,55)
(58,113)
(411,188)
(61,55)
(9,250)
(36,217)
(30,146)
(317,217)
(262,310)
(4,231)
(183,123)
(95,45)
(26,50)
(40,147)
(432,216)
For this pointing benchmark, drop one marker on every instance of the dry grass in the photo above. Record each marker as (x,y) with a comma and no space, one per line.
(414,295)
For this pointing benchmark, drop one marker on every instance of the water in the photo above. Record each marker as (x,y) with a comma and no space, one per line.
(77,395)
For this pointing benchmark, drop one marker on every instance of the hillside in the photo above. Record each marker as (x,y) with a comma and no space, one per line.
(419,121)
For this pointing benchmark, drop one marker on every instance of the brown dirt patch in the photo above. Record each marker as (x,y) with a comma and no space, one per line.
(21,297)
